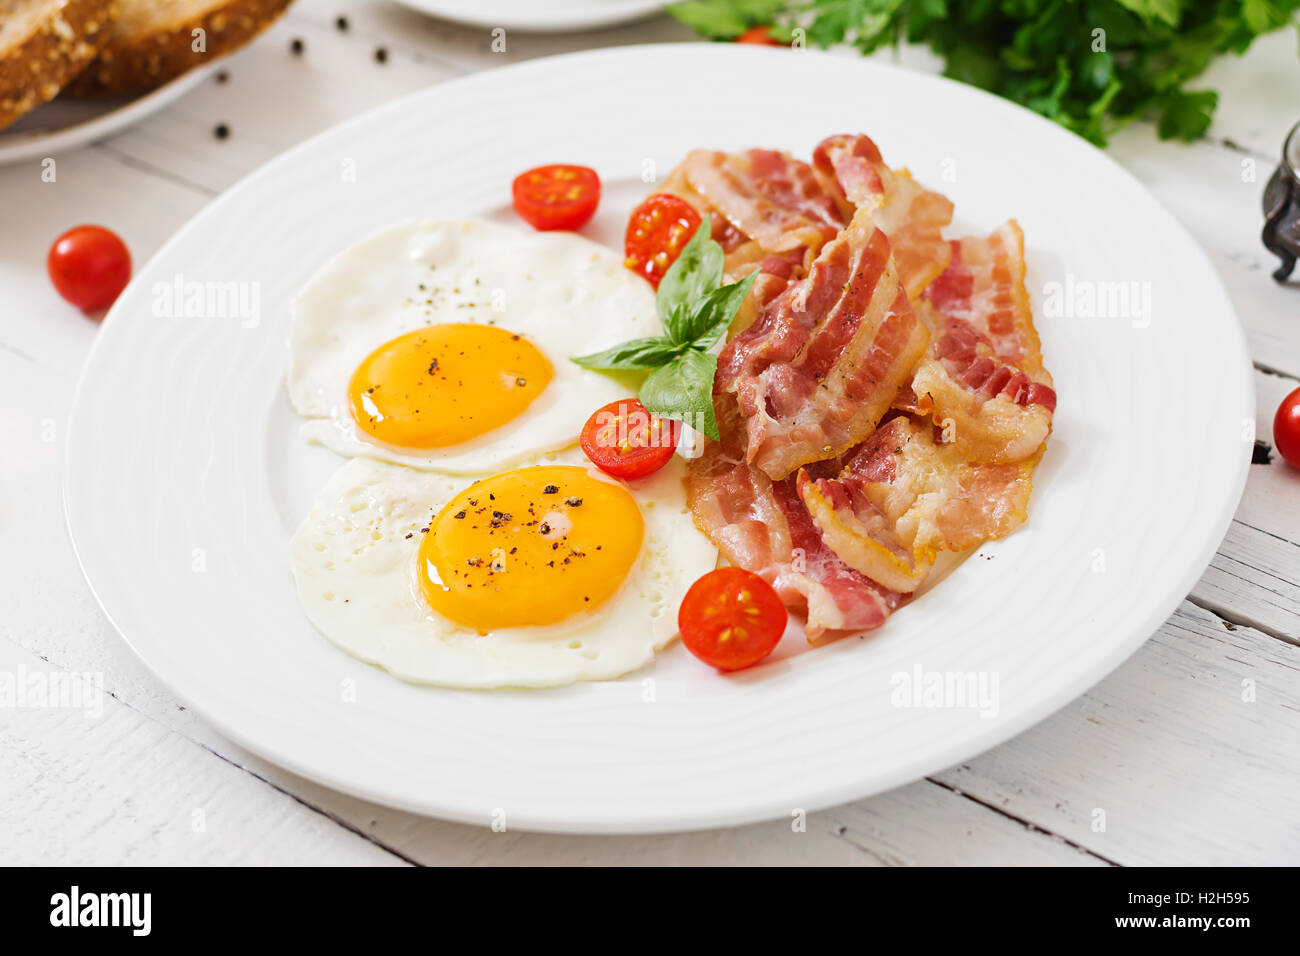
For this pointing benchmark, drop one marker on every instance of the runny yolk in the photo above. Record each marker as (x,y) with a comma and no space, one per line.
(528,547)
(445,384)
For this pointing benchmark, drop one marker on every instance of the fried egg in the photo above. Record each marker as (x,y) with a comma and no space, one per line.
(446,345)
(537,576)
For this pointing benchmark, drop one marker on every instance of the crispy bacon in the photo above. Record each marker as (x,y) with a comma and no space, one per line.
(913,217)
(984,379)
(823,361)
(774,199)
(882,396)
(775,273)
(902,497)
(764,527)
(770,212)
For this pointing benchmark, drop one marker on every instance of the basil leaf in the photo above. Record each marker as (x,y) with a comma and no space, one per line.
(697,270)
(634,354)
(709,322)
(683,390)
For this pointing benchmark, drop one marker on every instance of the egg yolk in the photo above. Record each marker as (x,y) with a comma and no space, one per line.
(528,547)
(445,384)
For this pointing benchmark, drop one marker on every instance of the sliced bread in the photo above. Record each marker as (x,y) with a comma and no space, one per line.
(43,45)
(157,40)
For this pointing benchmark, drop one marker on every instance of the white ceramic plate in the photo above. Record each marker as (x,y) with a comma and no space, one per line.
(538,16)
(186,475)
(64,124)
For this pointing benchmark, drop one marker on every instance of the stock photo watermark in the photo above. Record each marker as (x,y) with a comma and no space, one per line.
(24,689)
(1080,298)
(946,690)
(74,908)
(182,298)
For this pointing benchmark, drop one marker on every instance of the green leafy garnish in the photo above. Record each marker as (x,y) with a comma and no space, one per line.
(1090,65)
(695,310)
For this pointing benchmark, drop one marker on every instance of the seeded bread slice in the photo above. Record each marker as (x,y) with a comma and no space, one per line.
(43,45)
(156,41)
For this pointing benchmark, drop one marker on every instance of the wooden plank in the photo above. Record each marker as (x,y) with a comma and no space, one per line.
(1255,577)
(1257,102)
(337,75)
(920,824)
(1165,740)
(1216,193)
(93,782)
(44,604)
(1184,769)
(1185,764)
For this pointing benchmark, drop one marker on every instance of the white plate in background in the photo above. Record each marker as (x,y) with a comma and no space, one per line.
(538,16)
(65,123)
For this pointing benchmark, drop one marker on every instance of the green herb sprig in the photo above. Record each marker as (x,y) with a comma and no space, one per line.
(1090,65)
(695,309)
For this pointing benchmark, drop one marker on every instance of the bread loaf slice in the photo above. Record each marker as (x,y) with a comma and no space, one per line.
(156,41)
(43,45)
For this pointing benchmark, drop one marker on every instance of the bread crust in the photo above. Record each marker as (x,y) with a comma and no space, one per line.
(62,39)
(142,61)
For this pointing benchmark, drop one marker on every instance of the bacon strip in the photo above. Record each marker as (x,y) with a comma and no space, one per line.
(913,217)
(984,379)
(882,397)
(763,526)
(775,200)
(824,360)
(770,212)
(902,497)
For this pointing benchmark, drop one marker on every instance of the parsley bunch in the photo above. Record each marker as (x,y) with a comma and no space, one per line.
(695,310)
(1090,65)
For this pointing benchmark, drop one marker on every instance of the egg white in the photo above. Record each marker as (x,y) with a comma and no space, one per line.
(566,295)
(354,561)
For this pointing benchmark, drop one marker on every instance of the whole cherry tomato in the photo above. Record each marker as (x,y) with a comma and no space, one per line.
(657,231)
(559,196)
(731,618)
(1286,429)
(89,266)
(624,440)
(760,35)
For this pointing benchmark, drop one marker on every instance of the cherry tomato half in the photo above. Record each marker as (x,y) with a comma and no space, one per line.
(89,266)
(731,618)
(1286,429)
(656,233)
(559,196)
(624,440)
(761,35)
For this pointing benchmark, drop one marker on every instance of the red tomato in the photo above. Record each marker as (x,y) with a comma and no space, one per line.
(1286,429)
(624,440)
(761,35)
(557,197)
(731,618)
(89,266)
(656,233)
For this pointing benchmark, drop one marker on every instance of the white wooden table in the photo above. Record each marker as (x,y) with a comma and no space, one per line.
(1171,759)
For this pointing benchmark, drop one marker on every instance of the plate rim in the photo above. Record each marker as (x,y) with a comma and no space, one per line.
(27,145)
(739,812)
(631,12)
